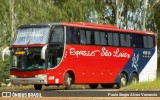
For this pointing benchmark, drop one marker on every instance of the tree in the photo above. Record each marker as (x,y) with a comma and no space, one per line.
(4,23)
(155,17)
(4,70)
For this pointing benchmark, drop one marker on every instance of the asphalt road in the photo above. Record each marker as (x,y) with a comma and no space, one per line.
(78,92)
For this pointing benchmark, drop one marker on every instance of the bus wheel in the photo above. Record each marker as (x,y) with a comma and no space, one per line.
(67,81)
(37,86)
(134,78)
(93,86)
(107,86)
(123,80)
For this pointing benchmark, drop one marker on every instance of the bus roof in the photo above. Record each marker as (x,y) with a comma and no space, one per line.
(88,26)
(103,27)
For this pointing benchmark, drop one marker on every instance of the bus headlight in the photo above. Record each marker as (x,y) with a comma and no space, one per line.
(40,76)
(12,76)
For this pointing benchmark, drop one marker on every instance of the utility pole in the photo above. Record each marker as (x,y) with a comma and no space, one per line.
(12,19)
(144,14)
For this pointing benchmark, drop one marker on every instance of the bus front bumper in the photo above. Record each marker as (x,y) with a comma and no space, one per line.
(29,81)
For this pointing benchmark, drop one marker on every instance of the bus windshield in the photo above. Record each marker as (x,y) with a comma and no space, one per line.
(36,57)
(27,59)
(33,35)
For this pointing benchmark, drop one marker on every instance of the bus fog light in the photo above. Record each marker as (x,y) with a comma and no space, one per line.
(12,76)
(40,76)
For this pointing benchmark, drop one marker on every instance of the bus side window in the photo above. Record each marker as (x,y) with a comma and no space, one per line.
(97,37)
(75,39)
(125,40)
(148,41)
(103,38)
(83,37)
(89,36)
(115,39)
(72,35)
(151,41)
(110,38)
(137,41)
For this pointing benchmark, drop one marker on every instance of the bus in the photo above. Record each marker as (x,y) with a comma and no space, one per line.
(68,53)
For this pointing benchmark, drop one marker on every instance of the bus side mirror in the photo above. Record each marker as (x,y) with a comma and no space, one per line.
(43,52)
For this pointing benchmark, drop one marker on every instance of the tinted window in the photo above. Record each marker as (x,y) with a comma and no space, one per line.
(110,39)
(137,41)
(113,39)
(148,41)
(103,38)
(88,36)
(97,37)
(72,35)
(83,39)
(57,35)
(75,36)
(125,40)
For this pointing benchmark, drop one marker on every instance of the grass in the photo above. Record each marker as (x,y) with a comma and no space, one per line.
(5,88)
(144,86)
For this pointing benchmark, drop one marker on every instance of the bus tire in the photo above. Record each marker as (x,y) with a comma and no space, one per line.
(123,80)
(93,86)
(107,86)
(67,81)
(134,78)
(37,86)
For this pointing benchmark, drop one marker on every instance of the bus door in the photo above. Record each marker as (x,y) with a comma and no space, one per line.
(55,47)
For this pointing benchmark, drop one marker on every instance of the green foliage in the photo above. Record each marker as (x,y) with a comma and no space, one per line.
(157,16)
(4,70)
(154,85)
(4,22)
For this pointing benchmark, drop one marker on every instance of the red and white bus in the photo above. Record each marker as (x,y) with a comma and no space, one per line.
(81,53)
